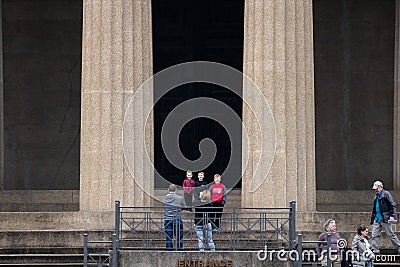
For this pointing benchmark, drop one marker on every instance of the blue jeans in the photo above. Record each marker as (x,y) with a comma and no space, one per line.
(174,228)
(204,234)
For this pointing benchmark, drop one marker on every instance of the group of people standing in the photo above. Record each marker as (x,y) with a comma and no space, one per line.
(208,202)
(383,216)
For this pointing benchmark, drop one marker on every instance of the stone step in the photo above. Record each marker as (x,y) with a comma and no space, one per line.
(69,239)
(50,256)
(49,250)
(50,238)
(73,256)
(38,250)
(36,207)
(385,243)
(39,200)
(348,200)
(47,264)
(68,200)
(41,258)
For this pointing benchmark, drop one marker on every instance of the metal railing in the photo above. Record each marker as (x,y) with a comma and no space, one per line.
(100,252)
(239,229)
(311,255)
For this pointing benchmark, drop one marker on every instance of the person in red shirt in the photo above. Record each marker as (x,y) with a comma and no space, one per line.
(188,187)
(218,200)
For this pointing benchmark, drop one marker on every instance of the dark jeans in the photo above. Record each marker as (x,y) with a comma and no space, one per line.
(218,207)
(174,228)
(188,199)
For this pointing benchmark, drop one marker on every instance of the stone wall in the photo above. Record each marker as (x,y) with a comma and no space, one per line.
(195,258)
(42,74)
(354,54)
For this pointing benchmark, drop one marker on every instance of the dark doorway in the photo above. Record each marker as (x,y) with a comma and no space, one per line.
(354,70)
(186,31)
(42,53)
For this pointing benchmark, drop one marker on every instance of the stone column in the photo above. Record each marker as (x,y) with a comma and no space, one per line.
(116,60)
(278,57)
(396,103)
(1,104)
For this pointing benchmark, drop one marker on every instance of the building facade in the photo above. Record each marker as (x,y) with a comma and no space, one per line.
(328,70)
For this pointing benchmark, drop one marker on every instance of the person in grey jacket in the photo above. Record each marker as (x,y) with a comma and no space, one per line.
(173,225)
(361,246)
(383,215)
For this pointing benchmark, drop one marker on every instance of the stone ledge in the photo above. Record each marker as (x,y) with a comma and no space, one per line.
(99,220)
(196,258)
(346,221)
(50,239)
(39,200)
(88,220)
(348,200)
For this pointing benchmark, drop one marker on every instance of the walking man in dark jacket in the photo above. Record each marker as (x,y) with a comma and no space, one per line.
(383,215)
(173,225)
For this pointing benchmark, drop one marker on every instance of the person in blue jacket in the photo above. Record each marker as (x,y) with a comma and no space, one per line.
(383,215)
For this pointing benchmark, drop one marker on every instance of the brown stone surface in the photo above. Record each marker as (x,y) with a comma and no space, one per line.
(169,259)
(39,200)
(278,57)
(117,59)
(348,200)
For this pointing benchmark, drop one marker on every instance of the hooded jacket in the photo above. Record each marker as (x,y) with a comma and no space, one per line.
(359,245)
(173,204)
(387,207)
(203,212)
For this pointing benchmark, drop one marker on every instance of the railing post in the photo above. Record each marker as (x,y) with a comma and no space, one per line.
(117,218)
(292,224)
(146,230)
(329,250)
(299,260)
(115,250)
(233,229)
(85,250)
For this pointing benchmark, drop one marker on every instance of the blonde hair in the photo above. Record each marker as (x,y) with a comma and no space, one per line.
(205,196)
